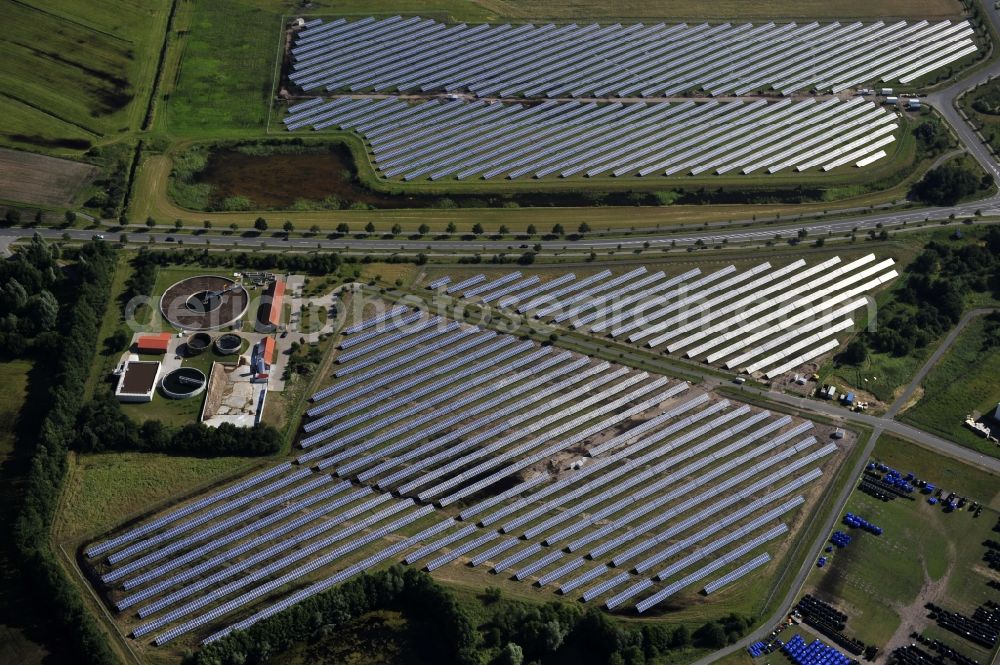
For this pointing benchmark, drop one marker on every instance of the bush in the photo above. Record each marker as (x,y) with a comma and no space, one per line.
(947,184)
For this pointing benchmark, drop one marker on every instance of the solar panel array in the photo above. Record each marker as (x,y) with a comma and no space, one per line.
(763,320)
(548,457)
(453,139)
(415,55)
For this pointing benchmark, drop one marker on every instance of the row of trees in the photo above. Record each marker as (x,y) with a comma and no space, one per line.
(511,633)
(101,425)
(54,597)
(313,264)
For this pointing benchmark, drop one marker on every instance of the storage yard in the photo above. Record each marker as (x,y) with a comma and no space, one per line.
(879,586)
(762,321)
(441,444)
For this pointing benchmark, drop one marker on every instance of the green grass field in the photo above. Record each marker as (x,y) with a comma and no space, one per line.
(924,554)
(103,489)
(14,379)
(76,73)
(963,382)
(224,74)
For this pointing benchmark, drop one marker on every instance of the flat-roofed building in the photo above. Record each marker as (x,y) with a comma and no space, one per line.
(137,381)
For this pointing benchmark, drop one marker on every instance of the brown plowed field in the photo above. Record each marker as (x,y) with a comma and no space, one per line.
(41,180)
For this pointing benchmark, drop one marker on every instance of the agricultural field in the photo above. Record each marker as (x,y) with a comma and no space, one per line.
(964,382)
(39,180)
(924,554)
(76,74)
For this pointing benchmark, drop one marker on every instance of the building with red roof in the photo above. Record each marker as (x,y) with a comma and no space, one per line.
(153,343)
(267,350)
(271,303)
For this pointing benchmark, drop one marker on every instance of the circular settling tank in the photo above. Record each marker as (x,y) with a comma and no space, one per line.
(197,343)
(228,344)
(204,302)
(183,382)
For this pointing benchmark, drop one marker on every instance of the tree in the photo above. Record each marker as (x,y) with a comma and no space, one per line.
(70,217)
(260,224)
(43,309)
(712,635)
(503,230)
(681,637)
(558,230)
(150,222)
(423,229)
(531,230)
(288,226)
(396,229)
(451,228)
(946,185)
(511,654)
(178,224)
(343,228)
(369,228)
(207,224)
(584,228)
(855,353)
(477,228)
(13,216)
(234,227)
(314,229)
(802,234)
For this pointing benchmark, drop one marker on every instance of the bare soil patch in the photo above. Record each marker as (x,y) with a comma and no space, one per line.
(41,180)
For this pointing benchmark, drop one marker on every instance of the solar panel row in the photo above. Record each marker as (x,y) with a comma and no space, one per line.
(422,55)
(455,139)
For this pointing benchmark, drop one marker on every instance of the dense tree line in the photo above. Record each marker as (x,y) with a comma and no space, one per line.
(312,264)
(101,425)
(512,633)
(447,634)
(932,297)
(950,183)
(28,307)
(55,597)
(144,271)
